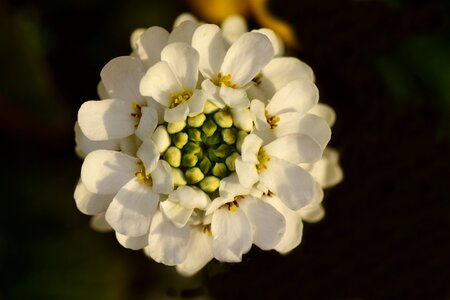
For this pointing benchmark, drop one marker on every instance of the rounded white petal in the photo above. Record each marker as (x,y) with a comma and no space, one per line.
(158,107)
(294,226)
(121,77)
(183,61)
(234,98)
(233,27)
(133,243)
(212,93)
(232,234)
(296,96)
(217,203)
(230,187)
(282,70)
(199,252)
(293,185)
(89,203)
(183,32)
(98,223)
(258,110)
(161,138)
(197,102)
(254,92)
(250,148)
(327,171)
(135,36)
(242,118)
(130,145)
(176,213)
(313,212)
(190,197)
(277,42)
(162,178)
(101,91)
(150,44)
(208,41)
(177,114)
(167,243)
(147,123)
(246,57)
(295,148)
(267,223)
(184,17)
(247,172)
(105,171)
(160,83)
(149,155)
(325,112)
(84,145)
(131,210)
(106,119)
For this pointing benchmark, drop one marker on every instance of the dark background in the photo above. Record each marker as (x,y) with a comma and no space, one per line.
(384,66)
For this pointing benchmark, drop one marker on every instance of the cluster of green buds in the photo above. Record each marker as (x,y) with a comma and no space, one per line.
(204,148)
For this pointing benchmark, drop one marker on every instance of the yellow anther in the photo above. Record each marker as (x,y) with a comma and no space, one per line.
(141,176)
(207,229)
(263,159)
(232,206)
(137,113)
(258,79)
(224,79)
(272,120)
(180,98)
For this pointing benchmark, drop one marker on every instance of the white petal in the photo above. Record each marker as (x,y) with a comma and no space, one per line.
(313,212)
(295,148)
(250,148)
(199,252)
(325,112)
(158,107)
(296,96)
(89,203)
(246,57)
(85,145)
(150,44)
(105,172)
(102,92)
(294,226)
(247,172)
(98,223)
(232,234)
(134,36)
(176,213)
(149,155)
(293,185)
(133,243)
(183,61)
(160,83)
(242,118)
(197,102)
(212,92)
(130,145)
(184,17)
(254,92)
(267,223)
(121,77)
(147,123)
(131,210)
(230,187)
(177,114)
(277,43)
(235,98)
(106,119)
(233,27)
(217,203)
(327,171)
(167,243)
(183,32)
(258,110)
(190,197)
(208,41)
(162,178)
(282,70)
(161,138)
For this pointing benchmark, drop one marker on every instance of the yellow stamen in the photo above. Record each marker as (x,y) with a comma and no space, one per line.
(180,98)
(272,120)
(232,206)
(224,79)
(263,159)
(141,176)
(258,78)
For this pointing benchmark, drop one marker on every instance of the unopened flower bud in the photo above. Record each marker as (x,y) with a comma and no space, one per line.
(205,165)
(161,138)
(229,161)
(175,127)
(223,150)
(173,156)
(197,120)
(189,160)
(210,184)
(180,139)
(194,135)
(229,135)
(194,175)
(209,127)
(215,139)
(220,170)
(223,119)
(178,177)
(209,107)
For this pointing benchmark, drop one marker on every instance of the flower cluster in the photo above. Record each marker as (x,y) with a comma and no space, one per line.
(205,141)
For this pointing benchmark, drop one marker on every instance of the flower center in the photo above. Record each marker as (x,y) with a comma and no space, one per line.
(272,120)
(203,149)
(180,98)
(141,176)
(224,79)
(263,159)
(137,113)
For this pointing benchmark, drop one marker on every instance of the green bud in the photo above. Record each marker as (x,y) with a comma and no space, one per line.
(173,156)
(229,135)
(209,127)
(192,148)
(223,119)
(180,139)
(229,161)
(175,127)
(178,177)
(197,120)
(215,139)
(210,184)
(205,165)
(194,134)
(220,170)
(189,160)
(212,157)
(240,139)
(223,150)
(209,107)
(194,175)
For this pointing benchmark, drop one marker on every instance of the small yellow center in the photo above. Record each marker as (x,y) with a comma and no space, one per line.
(141,176)
(180,98)
(232,206)
(272,120)
(137,113)
(263,159)
(225,80)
